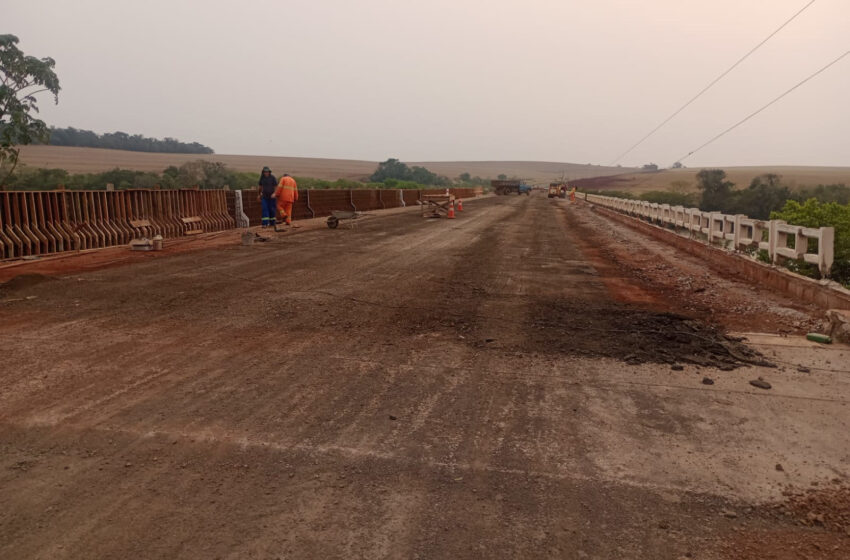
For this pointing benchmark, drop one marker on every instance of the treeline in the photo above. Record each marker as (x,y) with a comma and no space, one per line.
(123,141)
(391,174)
(395,170)
(767,198)
(765,194)
(205,174)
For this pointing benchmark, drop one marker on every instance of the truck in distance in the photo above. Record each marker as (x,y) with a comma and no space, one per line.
(510,187)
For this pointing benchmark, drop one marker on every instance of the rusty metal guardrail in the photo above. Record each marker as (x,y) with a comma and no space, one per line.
(36,223)
(321,202)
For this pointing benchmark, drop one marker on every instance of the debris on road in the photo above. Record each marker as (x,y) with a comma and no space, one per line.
(827,507)
(818,337)
(760,383)
(839,324)
(143,244)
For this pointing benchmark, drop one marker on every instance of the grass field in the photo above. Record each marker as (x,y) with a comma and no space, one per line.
(793,176)
(90,160)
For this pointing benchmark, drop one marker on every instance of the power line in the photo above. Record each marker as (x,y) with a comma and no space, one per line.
(709,86)
(751,115)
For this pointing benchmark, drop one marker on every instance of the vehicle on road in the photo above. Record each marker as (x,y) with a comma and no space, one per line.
(510,187)
(558,190)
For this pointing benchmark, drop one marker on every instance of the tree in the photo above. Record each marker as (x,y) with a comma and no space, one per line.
(814,214)
(123,141)
(391,169)
(764,195)
(22,78)
(502,177)
(716,191)
(465,177)
(395,169)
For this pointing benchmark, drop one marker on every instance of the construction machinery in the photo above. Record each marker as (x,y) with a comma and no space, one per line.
(558,190)
(510,187)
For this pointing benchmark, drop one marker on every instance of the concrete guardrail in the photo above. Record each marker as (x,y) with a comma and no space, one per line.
(737,232)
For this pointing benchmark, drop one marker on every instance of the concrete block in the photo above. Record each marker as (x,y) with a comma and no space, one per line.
(839,324)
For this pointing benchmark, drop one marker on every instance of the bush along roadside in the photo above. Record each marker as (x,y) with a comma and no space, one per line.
(814,214)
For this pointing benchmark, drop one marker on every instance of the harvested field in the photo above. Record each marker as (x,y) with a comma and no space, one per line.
(514,383)
(90,160)
(794,177)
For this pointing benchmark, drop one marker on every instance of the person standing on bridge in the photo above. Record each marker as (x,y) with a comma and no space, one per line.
(286,194)
(266,196)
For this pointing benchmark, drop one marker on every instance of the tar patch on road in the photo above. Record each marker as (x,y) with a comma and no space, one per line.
(23,282)
(634,336)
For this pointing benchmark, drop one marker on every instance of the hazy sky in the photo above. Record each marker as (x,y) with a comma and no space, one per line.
(560,80)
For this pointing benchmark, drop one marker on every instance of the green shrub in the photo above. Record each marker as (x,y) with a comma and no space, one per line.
(815,214)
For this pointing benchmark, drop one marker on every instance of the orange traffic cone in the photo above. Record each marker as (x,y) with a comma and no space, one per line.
(460,205)
(451,210)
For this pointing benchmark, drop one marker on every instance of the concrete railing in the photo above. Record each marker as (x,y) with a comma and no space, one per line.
(737,232)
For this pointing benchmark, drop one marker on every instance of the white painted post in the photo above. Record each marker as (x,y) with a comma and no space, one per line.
(242,220)
(773,240)
(826,250)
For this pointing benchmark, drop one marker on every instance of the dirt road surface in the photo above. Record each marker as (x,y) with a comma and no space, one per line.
(529,380)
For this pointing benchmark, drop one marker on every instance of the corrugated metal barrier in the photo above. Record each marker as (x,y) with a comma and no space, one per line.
(43,222)
(320,203)
(36,223)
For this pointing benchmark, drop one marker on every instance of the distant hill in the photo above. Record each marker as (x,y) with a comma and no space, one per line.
(91,160)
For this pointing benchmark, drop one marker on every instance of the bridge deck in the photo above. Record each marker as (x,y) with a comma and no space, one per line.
(297,399)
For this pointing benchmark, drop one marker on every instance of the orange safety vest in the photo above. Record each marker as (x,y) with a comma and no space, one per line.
(287,190)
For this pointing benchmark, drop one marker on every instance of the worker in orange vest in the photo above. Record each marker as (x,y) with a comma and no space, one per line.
(573,195)
(286,194)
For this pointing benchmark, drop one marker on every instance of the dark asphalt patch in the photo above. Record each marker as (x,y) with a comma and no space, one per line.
(633,335)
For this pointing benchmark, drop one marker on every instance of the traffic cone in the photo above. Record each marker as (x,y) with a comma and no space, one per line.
(451,211)
(459,205)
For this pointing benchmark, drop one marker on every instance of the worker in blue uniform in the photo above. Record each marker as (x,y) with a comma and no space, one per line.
(266,195)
